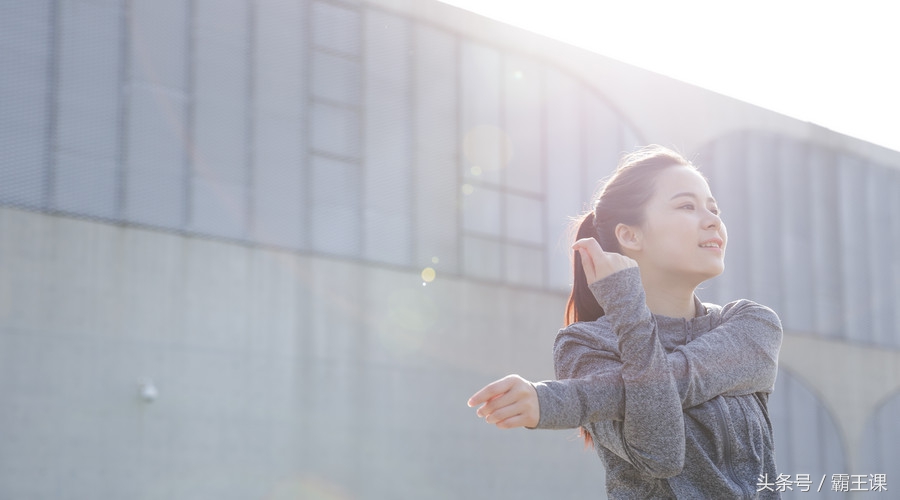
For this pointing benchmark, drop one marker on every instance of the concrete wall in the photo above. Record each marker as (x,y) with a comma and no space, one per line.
(278,375)
(236,200)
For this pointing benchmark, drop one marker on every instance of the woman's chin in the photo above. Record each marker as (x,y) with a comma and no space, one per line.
(711,273)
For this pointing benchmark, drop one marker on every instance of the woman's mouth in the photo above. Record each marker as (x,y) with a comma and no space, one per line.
(712,243)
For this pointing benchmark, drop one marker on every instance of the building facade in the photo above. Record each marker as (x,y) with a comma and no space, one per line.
(267,249)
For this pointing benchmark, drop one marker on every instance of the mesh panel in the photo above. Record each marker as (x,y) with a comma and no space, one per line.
(278,165)
(247,120)
(336,226)
(336,28)
(388,176)
(26,50)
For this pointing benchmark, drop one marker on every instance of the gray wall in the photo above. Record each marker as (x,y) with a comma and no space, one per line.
(236,199)
(279,375)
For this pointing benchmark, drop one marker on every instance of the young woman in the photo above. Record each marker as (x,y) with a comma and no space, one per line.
(671,392)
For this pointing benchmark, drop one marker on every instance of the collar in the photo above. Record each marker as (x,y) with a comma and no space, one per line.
(700,323)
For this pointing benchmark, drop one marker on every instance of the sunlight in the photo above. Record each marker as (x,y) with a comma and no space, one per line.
(826,63)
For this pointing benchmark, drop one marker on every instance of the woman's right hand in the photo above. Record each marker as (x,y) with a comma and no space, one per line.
(598,264)
(509,402)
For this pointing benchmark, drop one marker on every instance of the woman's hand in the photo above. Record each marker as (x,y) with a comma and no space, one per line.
(598,264)
(509,402)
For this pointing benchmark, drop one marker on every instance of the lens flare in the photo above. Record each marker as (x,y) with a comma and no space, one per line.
(312,488)
(406,318)
(487,147)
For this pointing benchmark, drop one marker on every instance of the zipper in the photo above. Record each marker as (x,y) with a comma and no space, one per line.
(727,442)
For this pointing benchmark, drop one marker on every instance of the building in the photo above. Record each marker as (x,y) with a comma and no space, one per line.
(218,219)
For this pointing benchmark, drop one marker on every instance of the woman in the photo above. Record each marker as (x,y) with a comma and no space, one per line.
(670,391)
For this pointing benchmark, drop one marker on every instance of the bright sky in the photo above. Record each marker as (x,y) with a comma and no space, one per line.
(833,63)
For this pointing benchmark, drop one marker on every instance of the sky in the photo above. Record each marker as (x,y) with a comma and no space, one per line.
(833,63)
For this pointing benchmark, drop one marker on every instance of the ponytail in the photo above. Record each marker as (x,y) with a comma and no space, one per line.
(582,306)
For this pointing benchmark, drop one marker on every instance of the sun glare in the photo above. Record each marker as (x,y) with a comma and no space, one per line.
(822,62)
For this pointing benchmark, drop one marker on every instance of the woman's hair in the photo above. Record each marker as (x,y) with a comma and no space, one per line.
(621,200)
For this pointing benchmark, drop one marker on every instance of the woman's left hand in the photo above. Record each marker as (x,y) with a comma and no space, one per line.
(509,402)
(597,263)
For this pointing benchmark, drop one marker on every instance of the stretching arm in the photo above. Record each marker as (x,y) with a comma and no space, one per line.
(737,357)
(651,433)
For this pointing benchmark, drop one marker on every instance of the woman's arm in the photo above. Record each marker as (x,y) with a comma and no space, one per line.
(651,434)
(738,357)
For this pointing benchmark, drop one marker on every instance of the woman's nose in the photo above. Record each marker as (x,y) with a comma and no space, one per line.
(713,219)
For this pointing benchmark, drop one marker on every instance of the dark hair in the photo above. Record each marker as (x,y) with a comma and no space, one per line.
(621,200)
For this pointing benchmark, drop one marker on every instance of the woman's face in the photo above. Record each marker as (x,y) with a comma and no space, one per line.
(682,236)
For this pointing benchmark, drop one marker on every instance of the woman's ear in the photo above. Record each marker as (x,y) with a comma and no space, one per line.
(630,237)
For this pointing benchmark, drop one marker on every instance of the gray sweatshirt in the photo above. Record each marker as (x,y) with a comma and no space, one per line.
(676,407)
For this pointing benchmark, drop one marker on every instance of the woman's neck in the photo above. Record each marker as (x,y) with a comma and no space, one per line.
(672,299)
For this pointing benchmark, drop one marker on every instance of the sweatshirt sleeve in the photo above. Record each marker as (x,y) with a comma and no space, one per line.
(737,357)
(652,431)
(567,402)
(651,434)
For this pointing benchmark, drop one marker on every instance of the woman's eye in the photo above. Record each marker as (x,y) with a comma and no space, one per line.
(689,206)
